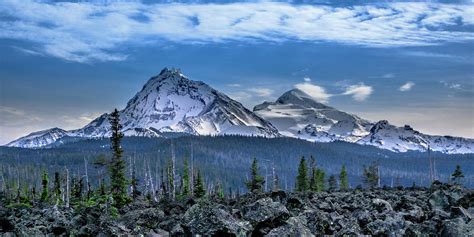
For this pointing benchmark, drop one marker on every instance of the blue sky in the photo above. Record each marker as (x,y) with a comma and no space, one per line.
(63,63)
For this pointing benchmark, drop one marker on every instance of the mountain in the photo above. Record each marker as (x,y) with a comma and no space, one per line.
(172,103)
(297,114)
(169,102)
(40,138)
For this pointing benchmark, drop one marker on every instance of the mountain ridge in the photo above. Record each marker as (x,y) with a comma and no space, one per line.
(172,103)
(296,114)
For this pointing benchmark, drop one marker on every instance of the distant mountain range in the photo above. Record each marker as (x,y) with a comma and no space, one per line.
(172,103)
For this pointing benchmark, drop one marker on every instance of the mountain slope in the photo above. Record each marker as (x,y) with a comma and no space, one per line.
(296,114)
(39,139)
(170,102)
(387,136)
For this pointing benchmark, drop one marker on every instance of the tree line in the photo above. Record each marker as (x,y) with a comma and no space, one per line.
(74,190)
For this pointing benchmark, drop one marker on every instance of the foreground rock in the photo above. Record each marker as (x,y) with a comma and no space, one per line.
(442,210)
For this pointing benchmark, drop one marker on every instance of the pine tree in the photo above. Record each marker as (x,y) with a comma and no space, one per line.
(332,182)
(199,190)
(320,183)
(343,180)
(255,184)
(371,176)
(302,178)
(118,180)
(457,175)
(44,184)
(185,180)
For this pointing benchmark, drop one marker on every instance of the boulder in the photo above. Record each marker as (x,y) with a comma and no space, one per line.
(148,218)
(294,226)
(443,196)
(381,205)
(265,214)
(457,227)
(213,220)
(391,226)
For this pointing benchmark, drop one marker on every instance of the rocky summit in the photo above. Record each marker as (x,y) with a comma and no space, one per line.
(442,210)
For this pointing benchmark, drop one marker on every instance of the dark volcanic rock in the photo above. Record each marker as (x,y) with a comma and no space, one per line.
(265,214)
(443,209)
(208,219)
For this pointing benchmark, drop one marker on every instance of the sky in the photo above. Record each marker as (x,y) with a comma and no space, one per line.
(63,63)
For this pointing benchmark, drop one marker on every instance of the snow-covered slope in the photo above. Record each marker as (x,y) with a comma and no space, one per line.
(39,139)
(296,114)
(169,102)
(387,136)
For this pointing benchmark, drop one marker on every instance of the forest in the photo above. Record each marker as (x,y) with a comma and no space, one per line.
(223,163)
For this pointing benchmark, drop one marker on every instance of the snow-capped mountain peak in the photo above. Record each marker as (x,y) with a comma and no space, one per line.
(170,102)
(299,98)
(296,114)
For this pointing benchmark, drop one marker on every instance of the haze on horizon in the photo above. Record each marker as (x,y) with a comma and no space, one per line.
(65,63)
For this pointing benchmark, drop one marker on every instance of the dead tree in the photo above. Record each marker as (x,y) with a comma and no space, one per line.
(173,172)
(68,192)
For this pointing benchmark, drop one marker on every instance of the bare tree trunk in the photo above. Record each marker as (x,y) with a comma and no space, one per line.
(157,180)
(266,178)
(67,188)
(378,175)
(192,169)
(131,174)
(173,171)
(152,185)
(274,188)
(87,177)
(3,181)
(147,184)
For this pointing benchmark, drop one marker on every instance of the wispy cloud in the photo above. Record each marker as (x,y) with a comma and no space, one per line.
(234,85)
(27,51)
(315,91)
(261,92)
(407,86)
(432,55)
(88,31)
(451,85)
(359,92)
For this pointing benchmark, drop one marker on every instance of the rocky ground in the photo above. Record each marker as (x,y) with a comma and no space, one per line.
(442,210)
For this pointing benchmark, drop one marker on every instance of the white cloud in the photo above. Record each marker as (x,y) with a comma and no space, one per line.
(86,31)
(315,91)
(388,75)
(433,55)
(359,92)
(27,51)
(234,85)
(307,79)
(261,92)
(451,85)
(455,86)
(407,86)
